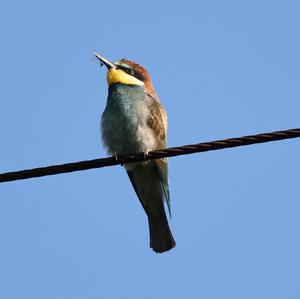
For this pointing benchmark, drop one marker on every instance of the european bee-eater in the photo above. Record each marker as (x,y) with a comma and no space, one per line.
(135,121)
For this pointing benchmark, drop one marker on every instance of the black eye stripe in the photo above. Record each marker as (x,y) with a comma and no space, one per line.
(139,76)
(125,69)
(131,72)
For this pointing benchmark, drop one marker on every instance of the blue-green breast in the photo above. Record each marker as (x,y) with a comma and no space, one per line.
(124,120)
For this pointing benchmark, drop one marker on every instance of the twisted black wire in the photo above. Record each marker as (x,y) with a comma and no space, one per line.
(137,157)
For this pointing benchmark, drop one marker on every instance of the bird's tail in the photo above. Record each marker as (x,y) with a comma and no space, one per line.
(161,238)
(147,184)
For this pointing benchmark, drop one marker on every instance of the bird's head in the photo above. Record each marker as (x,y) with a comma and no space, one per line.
(128,72)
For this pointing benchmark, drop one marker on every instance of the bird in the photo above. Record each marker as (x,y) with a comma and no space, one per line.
(134,120)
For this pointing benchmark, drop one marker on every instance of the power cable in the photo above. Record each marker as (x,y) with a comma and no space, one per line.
(151,155)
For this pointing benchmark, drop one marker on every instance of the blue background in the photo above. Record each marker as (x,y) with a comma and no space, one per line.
(222,69)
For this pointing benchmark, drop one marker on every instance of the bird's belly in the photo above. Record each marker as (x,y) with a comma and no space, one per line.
(124,126)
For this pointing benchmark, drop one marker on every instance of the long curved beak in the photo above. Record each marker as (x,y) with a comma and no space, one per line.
(104,61)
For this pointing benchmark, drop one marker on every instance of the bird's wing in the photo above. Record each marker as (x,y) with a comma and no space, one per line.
(158,122)
(162,169)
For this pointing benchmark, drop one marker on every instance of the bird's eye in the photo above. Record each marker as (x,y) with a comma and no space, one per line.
(129,71)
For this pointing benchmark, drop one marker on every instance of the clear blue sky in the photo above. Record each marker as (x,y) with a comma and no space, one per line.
(222,69)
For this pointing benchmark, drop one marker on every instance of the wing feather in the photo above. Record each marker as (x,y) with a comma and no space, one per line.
(158,122)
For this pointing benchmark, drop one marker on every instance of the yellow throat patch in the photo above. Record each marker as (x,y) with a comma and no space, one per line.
(119,76)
